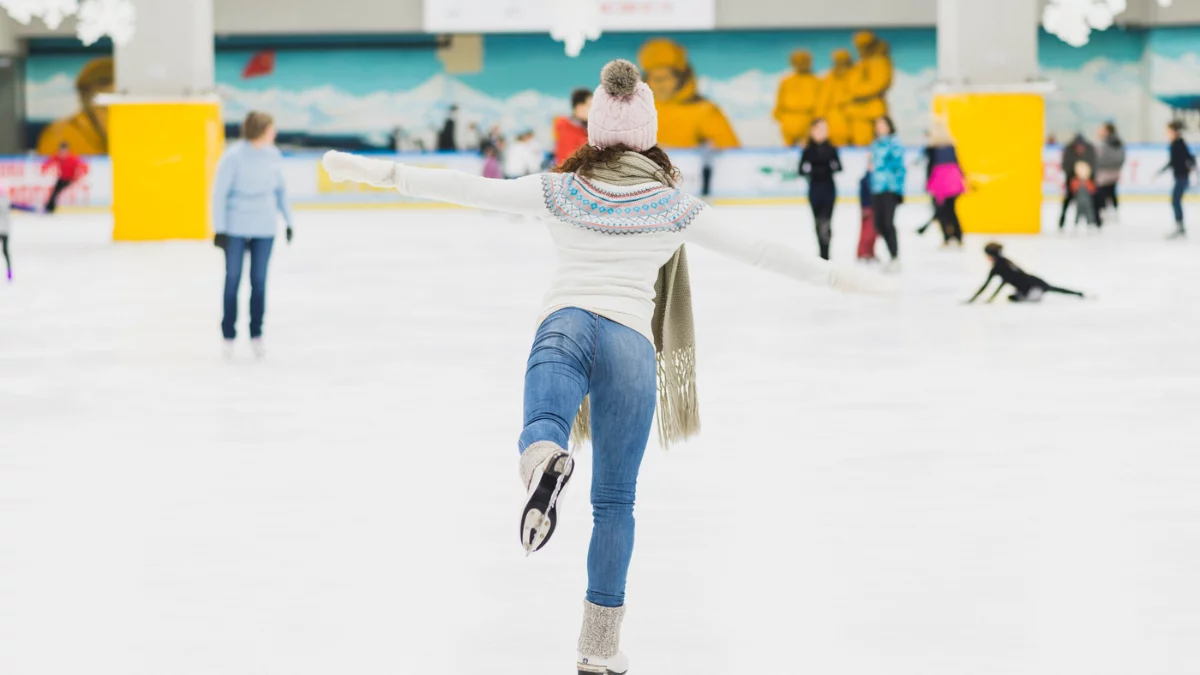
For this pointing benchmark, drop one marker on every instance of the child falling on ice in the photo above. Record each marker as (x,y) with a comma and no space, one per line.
(1028,287)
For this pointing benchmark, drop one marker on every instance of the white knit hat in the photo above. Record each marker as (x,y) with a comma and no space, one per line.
(622,111)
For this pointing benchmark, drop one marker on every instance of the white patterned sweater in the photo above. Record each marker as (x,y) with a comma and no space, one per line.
(612,240)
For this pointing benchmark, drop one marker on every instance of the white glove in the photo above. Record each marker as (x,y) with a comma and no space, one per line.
(343,166)
(855,281)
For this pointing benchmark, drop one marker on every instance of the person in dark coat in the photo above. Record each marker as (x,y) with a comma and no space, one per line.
(818,163)
(1028,287)
(1078,150)
(1181,163)
(447,140)
(1110,159)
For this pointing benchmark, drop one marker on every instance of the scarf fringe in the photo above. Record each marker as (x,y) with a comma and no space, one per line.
(678,409)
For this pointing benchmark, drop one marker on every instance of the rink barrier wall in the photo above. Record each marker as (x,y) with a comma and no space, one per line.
(739,177)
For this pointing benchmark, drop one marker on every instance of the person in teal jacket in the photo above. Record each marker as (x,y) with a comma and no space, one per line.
(248,198)
(887,185)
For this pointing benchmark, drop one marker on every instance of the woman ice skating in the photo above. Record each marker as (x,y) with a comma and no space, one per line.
(1110,159)
(946,182)
(818,163)
(1028,287)
(616,333)
(249,193)
(6,209)
(1181,164)
(5,229)
(887,185)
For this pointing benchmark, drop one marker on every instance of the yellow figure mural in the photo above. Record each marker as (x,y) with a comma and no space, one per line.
(85,132)
(870,80)
(685,119)
(834,101)
(796,103)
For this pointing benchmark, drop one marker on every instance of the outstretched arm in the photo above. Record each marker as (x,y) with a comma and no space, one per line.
(983,288)
(522,195)
(998,289)
(711,231)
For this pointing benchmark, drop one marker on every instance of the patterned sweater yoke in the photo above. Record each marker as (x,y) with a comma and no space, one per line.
(641,209)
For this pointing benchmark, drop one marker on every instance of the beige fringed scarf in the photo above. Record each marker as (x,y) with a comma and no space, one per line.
(673,327)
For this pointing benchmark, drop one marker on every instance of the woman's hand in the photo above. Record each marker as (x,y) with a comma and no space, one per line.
(343,166)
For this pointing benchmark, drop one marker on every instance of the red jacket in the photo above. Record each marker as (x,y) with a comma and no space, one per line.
(569,135)
(70,167)
(1075,183)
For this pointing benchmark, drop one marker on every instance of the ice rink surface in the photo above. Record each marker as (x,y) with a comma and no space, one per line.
(913,487)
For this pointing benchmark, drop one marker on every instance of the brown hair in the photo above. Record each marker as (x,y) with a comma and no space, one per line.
(256,125)
(588,157)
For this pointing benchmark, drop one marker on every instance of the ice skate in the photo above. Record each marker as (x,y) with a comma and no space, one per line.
(892,267)
(600,641)
(259,348)
(1179,232)
(227,349)
(545,470)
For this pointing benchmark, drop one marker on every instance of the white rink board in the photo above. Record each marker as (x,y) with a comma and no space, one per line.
(744,174)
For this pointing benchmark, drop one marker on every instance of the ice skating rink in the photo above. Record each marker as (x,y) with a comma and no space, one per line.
(913,487)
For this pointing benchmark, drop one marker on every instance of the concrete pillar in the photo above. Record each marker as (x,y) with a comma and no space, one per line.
(990,96)
(12,87)
(165,129)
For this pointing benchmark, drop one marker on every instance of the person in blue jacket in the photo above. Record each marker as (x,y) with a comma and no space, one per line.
(887,185)
(248,197)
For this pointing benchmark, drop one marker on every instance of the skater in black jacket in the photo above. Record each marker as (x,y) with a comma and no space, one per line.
(818,163)
(1181,164)
(1028,287)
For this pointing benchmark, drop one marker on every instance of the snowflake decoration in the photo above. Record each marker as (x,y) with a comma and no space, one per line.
(1074,20)
(54,11)
(574,22)
(97,18)
(115,18)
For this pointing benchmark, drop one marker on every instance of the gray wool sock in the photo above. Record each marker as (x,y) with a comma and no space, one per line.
(601,633)
(533,457)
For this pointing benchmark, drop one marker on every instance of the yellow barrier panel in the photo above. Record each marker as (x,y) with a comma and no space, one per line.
(1000,139)
(164,157)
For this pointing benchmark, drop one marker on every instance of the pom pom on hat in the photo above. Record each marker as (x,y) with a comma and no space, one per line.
(620,78)
(623,111)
